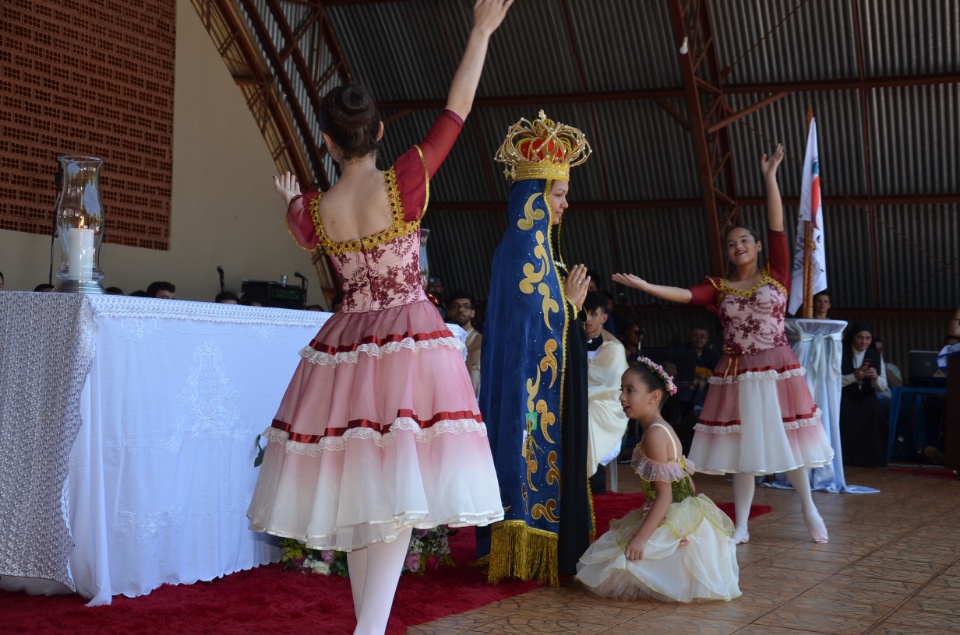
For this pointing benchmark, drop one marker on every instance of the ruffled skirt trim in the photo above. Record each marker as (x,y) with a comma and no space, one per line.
(760,419)
(391,439)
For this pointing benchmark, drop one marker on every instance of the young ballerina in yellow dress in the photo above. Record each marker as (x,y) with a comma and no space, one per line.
(678,546)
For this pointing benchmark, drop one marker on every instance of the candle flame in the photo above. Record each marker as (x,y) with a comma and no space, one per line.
(81,223)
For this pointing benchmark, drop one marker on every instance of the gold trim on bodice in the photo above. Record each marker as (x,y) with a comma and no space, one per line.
(399,227)
(724,287)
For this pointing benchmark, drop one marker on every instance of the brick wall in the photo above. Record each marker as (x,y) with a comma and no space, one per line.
(95,78)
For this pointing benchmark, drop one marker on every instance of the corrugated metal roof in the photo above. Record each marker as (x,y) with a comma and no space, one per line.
(407,51)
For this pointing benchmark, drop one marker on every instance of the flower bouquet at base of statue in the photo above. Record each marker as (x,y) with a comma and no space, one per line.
(428,549)
(297,557)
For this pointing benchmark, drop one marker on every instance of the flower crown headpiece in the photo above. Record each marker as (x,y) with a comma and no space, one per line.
(542,149)
(658,370)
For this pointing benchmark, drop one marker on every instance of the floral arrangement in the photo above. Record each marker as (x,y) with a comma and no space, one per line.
(298,557)
(658,370)
(429,548)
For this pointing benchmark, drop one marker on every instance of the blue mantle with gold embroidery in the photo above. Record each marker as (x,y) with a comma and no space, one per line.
(522,363)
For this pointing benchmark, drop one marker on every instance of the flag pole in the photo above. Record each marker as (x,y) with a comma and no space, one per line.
(808,247)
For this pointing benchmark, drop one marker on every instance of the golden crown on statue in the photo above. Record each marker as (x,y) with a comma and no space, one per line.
(542,149)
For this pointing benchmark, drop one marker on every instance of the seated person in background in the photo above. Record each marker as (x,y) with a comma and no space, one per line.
(1,281)
(606,363)
(113,291)
(227,297)
(863,427)
(461,312)
(692,395)
(894,376)
(435,291)
(632,341)
(248,301)
(43,288)
(936,415)
(162,290)
(139,293)
(821,305)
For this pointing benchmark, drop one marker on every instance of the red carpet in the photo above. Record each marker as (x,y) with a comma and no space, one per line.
(269,599)
(944,473)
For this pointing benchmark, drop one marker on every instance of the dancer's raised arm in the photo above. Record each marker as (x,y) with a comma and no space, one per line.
(487,16)
(768,166)
(672,294)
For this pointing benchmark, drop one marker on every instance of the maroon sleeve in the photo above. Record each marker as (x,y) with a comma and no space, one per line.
(411,171)
(300,221)
(705,293)
(778,263)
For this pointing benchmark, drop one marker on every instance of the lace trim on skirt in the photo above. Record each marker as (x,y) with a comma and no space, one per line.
(733,427)
(758,374)
(339,443)
(377,350)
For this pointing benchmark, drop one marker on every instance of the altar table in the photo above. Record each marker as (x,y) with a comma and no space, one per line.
(128,429)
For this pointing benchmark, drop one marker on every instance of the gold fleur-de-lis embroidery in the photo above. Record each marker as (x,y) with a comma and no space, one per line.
(545,511)
(549,360)
(530,214)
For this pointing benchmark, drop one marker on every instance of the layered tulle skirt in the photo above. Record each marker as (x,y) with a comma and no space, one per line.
(378,431)
(759,417)
(689,557)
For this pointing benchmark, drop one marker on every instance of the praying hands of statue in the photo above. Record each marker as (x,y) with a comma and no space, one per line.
(576,285)
(287,187)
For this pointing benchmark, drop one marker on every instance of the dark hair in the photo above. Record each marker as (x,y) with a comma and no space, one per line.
(750,230)
(462,295)
(113,291)
(650,379)
(595,300)
(820,293)
(43,286)
(227,295)
(857,328)
(156,287)
(594,277)
(349,115)
(139,293)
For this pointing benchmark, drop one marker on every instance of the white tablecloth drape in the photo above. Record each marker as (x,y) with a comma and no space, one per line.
(818,345)
(171,396)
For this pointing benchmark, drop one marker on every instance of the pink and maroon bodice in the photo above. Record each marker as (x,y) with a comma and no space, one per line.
(753,321)
(382,270)
(385,275)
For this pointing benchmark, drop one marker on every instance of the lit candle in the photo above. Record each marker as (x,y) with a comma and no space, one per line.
(81,253)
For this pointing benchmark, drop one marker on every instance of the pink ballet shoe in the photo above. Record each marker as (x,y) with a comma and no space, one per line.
(741,536)
(818,531)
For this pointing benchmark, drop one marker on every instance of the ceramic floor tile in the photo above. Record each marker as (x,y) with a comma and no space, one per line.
(675,624)
(917,618)
(527,622)
(787,618)
(825,606)
(890,568)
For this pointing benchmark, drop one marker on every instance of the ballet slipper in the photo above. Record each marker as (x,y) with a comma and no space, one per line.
(818,531)
(740,536)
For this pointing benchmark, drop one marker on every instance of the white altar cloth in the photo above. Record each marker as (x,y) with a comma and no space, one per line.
(818,345)
(171,396)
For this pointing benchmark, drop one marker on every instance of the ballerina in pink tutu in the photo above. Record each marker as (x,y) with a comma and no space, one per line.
(379,431)
(758,416)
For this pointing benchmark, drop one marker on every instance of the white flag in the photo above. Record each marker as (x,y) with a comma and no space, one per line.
(809,210)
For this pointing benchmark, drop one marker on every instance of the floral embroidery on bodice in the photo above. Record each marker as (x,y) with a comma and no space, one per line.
(381,270)
(753,321)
